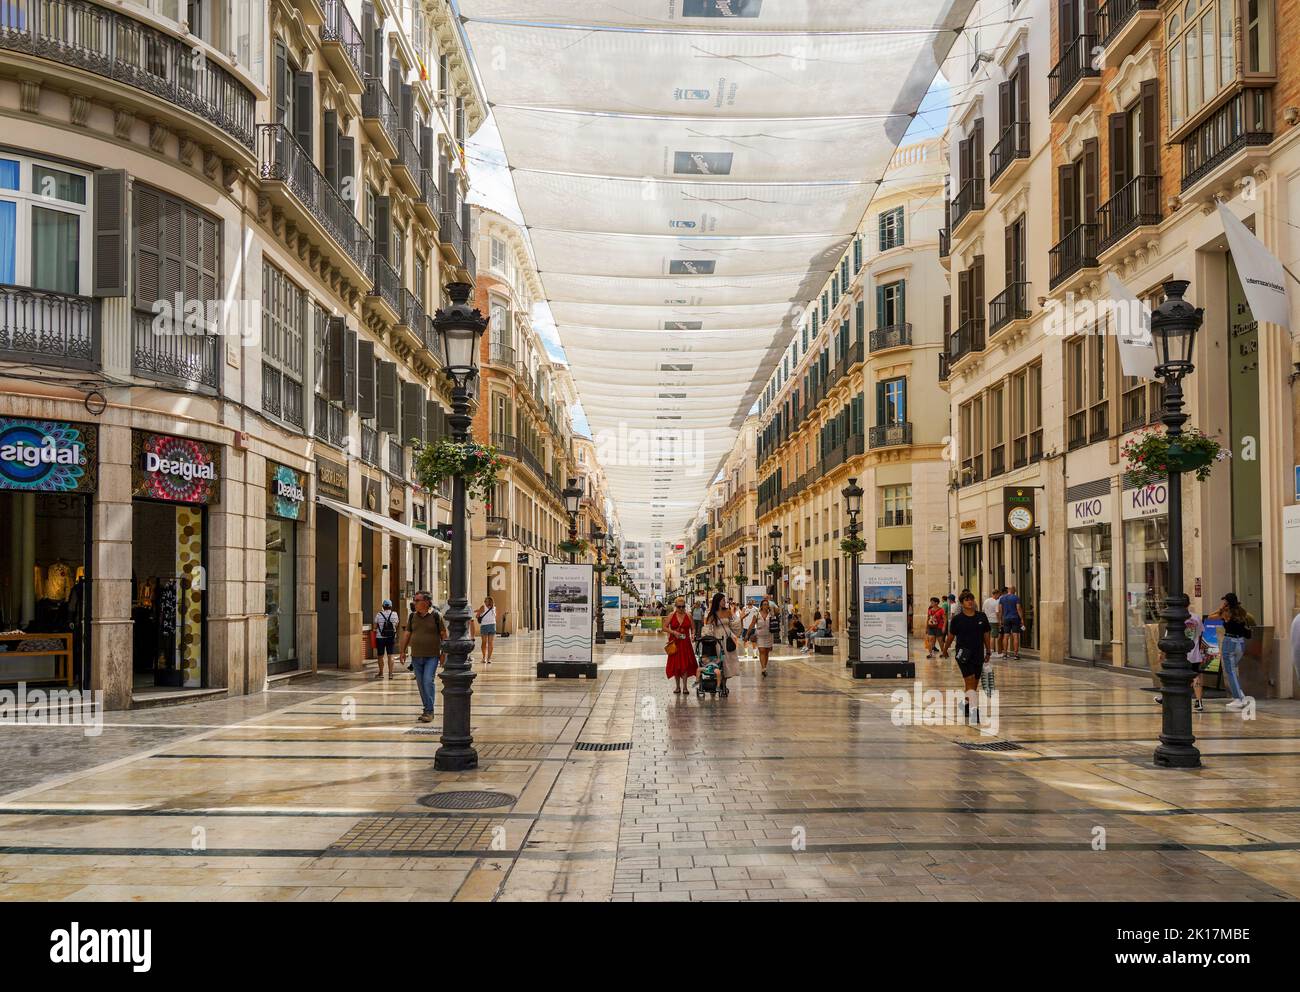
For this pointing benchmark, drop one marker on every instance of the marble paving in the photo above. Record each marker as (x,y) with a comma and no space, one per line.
(805,785)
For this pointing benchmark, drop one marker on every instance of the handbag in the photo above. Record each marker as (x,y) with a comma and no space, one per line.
(670,648)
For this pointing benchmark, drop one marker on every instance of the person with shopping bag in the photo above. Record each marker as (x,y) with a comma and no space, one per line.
(719,639)
(970,629)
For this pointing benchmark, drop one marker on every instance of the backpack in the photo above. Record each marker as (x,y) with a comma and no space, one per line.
(387,628)
(774,624)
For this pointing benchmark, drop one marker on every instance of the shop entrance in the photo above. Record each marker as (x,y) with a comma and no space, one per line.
(1025,558)
(45,545)
(169,595)
(327,587)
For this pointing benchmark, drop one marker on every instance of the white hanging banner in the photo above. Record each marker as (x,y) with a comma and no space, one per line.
(882,612)
(1262,276)
(1131,319)
(566,629)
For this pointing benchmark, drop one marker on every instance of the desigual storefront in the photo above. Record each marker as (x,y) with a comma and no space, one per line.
(48,477)
(286,512)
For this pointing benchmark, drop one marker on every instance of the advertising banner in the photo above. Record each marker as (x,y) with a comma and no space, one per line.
(755,594)
(175,469)
(611,601)
(286,491)
(566,630)
(882,617)
(47,456)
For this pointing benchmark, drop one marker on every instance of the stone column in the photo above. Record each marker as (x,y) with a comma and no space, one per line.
(112,641)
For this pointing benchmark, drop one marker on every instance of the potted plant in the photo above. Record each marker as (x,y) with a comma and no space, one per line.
(1150,455)
(477,464)
(578,548)
(853,545)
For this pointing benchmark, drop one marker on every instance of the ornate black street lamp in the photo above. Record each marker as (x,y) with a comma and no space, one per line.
(774,539)
(598,542)
(572,500)
(459,327)
(852,494)
(1174,324)
(742,560)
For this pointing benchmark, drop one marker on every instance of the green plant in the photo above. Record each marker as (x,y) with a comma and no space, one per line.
(740,580)
(774,569)
(853,545)
(578,548)
(1150,456)
(477,464)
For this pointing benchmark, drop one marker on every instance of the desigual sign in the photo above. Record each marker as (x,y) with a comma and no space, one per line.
(286,491)
(1086,512)
(175,469)
(1146,501)
(49,456)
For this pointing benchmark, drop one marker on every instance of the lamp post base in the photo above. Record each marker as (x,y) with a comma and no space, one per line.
(566,669)
(1177,756)
(884,670)
(457,759)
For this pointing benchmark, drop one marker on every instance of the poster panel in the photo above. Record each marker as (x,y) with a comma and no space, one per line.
(566,629)
(611,601)
(882,612)
(754,594)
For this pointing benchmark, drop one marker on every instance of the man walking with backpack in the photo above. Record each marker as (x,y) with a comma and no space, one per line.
(424,634)
(385,627)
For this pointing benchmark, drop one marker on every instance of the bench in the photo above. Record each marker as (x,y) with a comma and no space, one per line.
(823,645)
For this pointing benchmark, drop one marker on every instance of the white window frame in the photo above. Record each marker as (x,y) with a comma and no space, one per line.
(25,198)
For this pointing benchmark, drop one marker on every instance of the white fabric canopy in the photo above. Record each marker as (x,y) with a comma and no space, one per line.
(690,174)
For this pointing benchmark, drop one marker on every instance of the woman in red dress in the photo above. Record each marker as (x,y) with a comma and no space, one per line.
(681,663)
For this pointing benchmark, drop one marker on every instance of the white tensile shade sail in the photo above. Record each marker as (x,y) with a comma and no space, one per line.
(690,174)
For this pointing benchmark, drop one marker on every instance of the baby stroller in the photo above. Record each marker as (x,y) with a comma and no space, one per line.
(711,678)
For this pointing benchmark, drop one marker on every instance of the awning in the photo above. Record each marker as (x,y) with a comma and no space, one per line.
(381,522)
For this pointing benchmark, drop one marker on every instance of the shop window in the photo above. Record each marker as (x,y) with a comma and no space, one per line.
(1203,53)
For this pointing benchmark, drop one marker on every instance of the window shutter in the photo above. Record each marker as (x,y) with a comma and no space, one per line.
(335,347)
(1149,122)
(902,413)
(1006,112)
(902,301)
(1009,255)
(426,148)
(1067,24)
(350,345)
(368,38)
(395,85)
(880,307)
(1118,137)
(387,420)
(861,313)
(432,422)
(412,412)
(329,133)
(279,83)
(963,297)
(1091,181)
(880,404)
(366,380)
(302,111)
(1022,89)
(977,149)
(407,106)
(963,161)
(947,315)
(348,171)
(1069,198)
(171,233)
(384,228)
(111,224)
(977,288)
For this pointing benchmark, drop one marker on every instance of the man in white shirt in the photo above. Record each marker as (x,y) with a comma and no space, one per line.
(993,612)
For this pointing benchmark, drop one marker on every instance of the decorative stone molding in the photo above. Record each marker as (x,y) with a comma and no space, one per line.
(1016,46)
(1082,127)
(1016,203)
(123,122)
(185,149)
(1142,65)
(29,91)
(79,109)
(229,173)
(158,134)
(211,162)
(971,251)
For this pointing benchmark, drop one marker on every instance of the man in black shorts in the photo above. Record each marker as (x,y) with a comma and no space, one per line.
(970,629)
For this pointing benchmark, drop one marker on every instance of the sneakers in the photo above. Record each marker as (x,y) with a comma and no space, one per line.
(1198,706)
(1236,704)
(426,718)
(1159,700)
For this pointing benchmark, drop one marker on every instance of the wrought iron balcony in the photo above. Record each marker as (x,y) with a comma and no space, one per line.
(1074,252)
(449,233)
(412,315)
(406,163)
(43,328)
(501,354)
(396,458)
(180,356)
(497,526)
(1137,204)
(387,284)
(853,356)
(380,116)
(969,199)
(966,340)
(506,444)
(1245,120)
(281,396)
(429,202)
(1075,66)
(98,39)
(283,160)
(945,243)
(1011,146)
(1010,304)
(370,445)
(889,435)
(895,518)
(471,261)
(1114,16)
(894,336)
(853,445)
(342,46)
(330,423)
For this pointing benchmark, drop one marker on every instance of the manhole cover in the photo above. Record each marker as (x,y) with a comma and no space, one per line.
(466,800)
(589,746)
(990,746)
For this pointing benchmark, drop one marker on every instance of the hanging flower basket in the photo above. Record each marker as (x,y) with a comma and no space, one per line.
(1150,456)
(774,569)
(578,548)
(477,464)
(740,580)
(853,545)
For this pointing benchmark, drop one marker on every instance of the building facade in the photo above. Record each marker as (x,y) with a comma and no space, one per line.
(229,331)
(855,396)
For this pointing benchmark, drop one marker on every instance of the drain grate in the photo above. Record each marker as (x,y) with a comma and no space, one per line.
(991,746)
(466,800)
(591,746)
(398,834)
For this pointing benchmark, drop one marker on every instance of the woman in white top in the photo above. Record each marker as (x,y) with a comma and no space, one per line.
(764,635)
(486,615)
(721,623)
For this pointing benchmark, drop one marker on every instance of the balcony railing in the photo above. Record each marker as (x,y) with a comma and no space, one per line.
(1137,204)
(1114,14)
(377,105)
(396,458)
(853,356)
(283,160)
(887,435)
(1012,145)
(1010,304)
(45,328)
(1076,430)
(997,460)
(1245,120)
(98,39)
(501,354)
(1076,251)
(430,199)
(967,339)
(183,357)
(387,283)
(968,199)
(331,423)
(1075,65)
(449,225)
(972,469)
(370,446)
(408,157)
(894,336)
(340,29)
(497,526)
(1027,448)
(281,396)
(471,261)
(414,317)
(895,518)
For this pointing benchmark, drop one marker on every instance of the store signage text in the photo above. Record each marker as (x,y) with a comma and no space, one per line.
(286,491)
(47,455)
(1086,512)
(1146,501)
(332,478)
(176,469)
